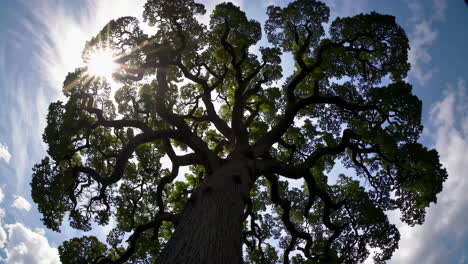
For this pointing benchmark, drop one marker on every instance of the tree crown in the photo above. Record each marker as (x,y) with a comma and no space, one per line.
(196,95)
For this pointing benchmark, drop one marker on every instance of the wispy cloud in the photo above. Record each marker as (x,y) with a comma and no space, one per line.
(440,10)
(343,8)
(423,35)
(442,239)
(21,204)
(57,34)
(4,153)
(65,32)
(26,121)
(51,36)
(36,54)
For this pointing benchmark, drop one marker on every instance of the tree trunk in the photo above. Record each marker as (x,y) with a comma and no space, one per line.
(210,229)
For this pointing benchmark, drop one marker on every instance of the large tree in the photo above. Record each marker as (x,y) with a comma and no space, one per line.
(257,146)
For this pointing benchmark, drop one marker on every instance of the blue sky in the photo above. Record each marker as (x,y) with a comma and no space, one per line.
(41,41)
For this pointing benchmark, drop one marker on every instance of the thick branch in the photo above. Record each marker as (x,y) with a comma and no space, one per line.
(111,123)
(348,134)
(275,134)
(286,207)
(132,240)
(238,127)
(126,153)
(219,123)
(191,139)
(293,107)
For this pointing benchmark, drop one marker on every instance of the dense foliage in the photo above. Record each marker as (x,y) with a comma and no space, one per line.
(201,96)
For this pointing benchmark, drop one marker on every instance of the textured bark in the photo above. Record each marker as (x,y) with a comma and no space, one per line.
(210,229)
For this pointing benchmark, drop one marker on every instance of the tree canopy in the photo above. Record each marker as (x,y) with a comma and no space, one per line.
(257,146)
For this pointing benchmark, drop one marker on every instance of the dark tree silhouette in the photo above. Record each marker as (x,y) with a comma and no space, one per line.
(81,250)
(203,97)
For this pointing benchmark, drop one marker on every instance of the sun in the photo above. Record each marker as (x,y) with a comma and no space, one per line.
(102,63)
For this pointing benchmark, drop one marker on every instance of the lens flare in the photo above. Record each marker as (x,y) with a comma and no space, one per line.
(102,64)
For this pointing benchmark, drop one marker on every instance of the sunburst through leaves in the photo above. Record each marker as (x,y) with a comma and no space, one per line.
(102,64)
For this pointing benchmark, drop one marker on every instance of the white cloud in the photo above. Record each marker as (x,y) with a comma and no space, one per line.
(3,237)
(4,153)
(444,233)
(423,35)
(25,246)
(3,234)
(2,194)
(21,204)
